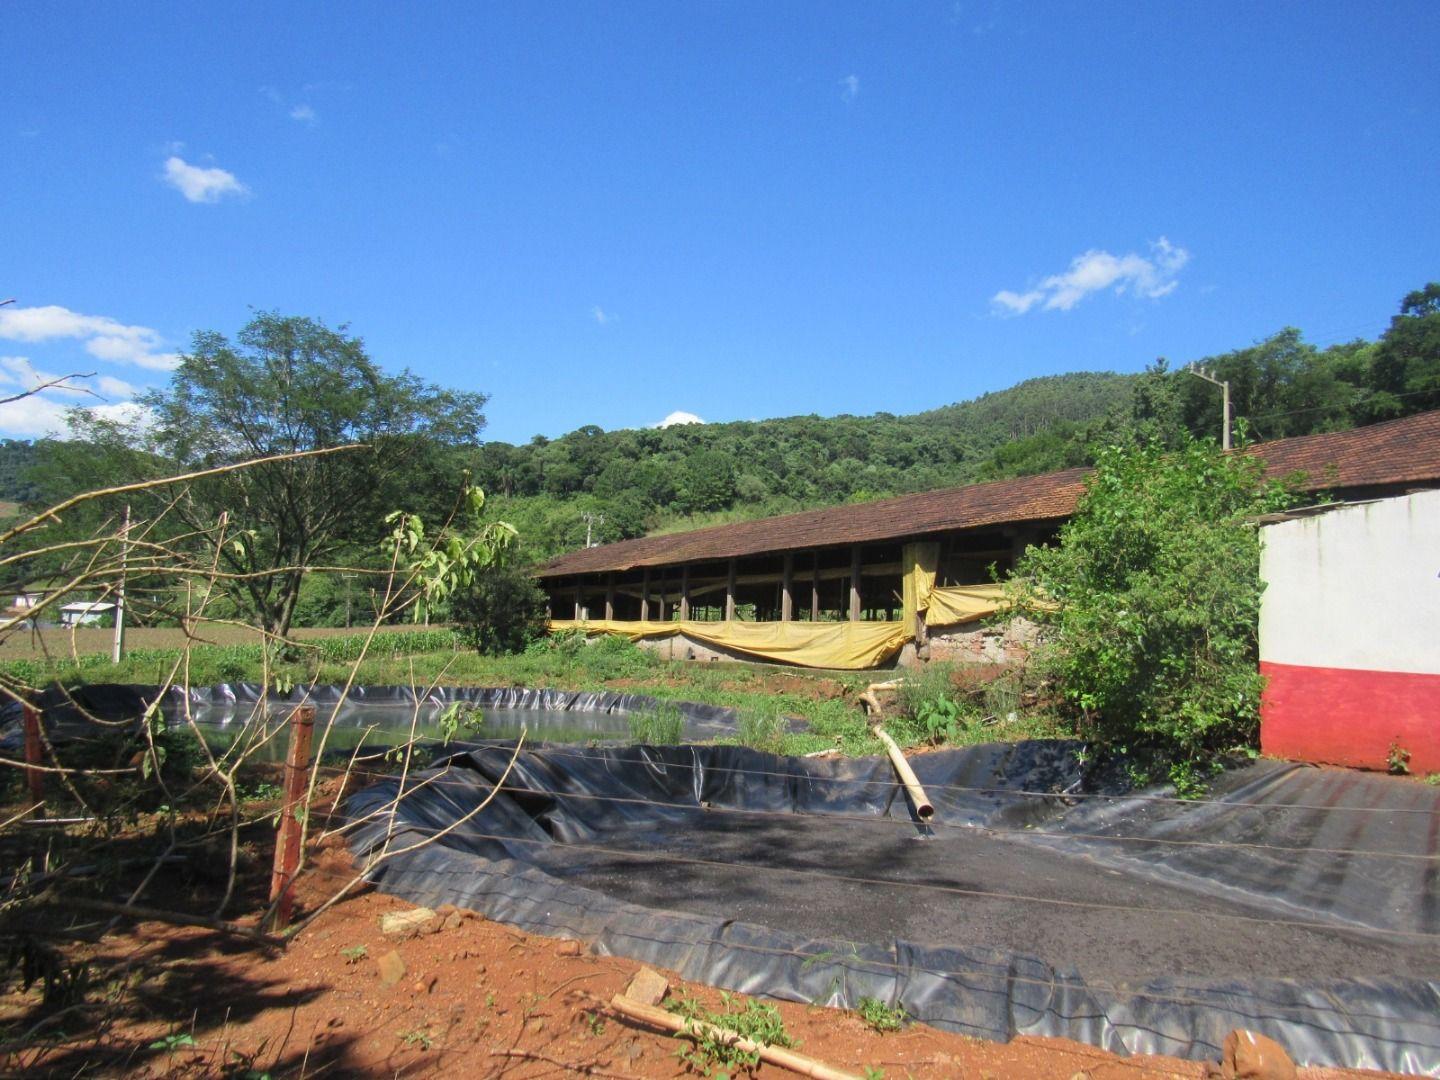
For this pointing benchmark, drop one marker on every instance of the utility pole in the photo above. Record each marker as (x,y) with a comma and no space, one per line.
(117,647)
(1202,373)
(591,520)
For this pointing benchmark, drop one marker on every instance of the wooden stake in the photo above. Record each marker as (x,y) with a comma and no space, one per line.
(287,836)
(34,755)
(776,1055)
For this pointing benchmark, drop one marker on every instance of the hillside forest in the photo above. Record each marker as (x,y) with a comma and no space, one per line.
(620,484)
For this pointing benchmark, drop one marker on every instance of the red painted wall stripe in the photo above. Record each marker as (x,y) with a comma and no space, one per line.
(1342,716)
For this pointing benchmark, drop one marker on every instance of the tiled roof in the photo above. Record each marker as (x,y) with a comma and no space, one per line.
(1394,452)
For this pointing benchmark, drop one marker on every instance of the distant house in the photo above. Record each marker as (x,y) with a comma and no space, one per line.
(85,612)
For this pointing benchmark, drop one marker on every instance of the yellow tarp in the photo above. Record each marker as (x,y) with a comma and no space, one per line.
(919,563)
(963,603)
(850,646)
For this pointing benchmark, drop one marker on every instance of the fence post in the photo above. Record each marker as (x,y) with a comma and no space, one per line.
(287,835)
(34,755)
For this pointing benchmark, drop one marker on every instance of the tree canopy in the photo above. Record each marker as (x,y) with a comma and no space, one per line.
(289,385)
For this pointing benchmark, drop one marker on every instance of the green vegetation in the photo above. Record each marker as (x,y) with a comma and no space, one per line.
(715,1056)
(1152,597)
(881,1017)
(500,611)
(663,725)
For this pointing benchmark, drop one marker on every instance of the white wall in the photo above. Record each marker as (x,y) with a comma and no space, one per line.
(1357,587)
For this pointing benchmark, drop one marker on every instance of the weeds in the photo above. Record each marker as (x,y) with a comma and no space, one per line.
(1397,760)
(663,725)
(881,1017)
(354,954)
(716,1056)
(417,1038)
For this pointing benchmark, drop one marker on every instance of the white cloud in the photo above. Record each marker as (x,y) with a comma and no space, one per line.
(678,417)
(1096,270)
(305,114)
(600,316)
(199,184)
(849,87)
(105,338)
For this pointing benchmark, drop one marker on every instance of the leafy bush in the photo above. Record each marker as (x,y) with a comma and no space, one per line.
(932,709)
(500,612)
(1152,597)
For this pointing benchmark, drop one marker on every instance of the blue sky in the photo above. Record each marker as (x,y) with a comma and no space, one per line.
(605,213)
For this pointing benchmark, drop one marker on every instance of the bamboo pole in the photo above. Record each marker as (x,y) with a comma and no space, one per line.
(776,1055)
(924,810)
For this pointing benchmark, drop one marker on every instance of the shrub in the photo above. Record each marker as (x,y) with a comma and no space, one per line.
(1152,597)
(501,611)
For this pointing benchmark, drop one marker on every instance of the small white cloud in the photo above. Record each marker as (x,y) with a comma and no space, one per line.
(109,386)
(305,114)
(678,417)
(199,184)
(105,338)
(599,315)
(849,88)
(1096,270)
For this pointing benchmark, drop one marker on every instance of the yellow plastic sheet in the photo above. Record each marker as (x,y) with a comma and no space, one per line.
(849,646)
(919,564)
(964,603)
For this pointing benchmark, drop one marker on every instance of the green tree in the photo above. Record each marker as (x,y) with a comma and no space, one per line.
(500,611)
(1406,368)
(1156,596)
(289,385)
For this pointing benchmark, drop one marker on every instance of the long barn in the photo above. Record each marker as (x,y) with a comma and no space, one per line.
(859,586)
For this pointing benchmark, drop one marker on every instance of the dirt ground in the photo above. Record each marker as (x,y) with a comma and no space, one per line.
(475,999)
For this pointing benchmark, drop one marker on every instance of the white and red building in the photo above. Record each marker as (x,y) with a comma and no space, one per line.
(1350,635)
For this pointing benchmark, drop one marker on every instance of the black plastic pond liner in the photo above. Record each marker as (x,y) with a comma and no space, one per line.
(1328,880)
(66,712)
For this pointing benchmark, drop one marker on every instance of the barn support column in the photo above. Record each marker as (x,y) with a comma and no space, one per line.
(815,586)
(579,601)
(855,583)
(610,596)
(660,598)
(685,592)
(787,588)
(645,594)
(730,593)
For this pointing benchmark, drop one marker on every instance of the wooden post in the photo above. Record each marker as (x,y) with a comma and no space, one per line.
(685,592)
(660,598)
(787,588)
(579,601)
(815,588)
(645,594)
(287,836)
(730,593)
(855,583)
(34,755)
(609,596)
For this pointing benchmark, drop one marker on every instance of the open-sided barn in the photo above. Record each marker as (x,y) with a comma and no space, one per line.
(851,586)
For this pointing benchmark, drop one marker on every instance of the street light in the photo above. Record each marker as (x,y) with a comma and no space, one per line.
(1202,373)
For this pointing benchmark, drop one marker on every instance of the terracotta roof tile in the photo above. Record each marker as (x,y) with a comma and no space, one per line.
(1394,452)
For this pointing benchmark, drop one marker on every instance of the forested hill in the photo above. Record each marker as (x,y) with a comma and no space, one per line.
(658,480)
(649,479)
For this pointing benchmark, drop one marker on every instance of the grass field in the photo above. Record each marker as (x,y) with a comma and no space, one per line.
(93,640)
